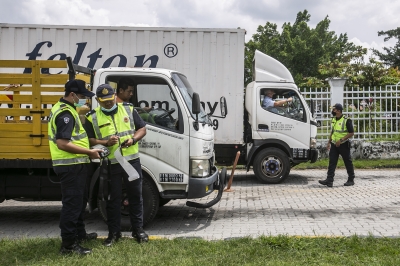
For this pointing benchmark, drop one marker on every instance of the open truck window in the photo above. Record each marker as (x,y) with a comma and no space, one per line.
(154,100)
(293,110)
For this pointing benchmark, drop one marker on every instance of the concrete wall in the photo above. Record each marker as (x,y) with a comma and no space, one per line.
(361,149)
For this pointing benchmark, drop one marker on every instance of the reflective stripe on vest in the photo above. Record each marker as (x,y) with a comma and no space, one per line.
(79,138)
(120,124)
(339,129)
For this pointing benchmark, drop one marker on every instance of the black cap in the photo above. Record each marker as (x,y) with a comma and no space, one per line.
(105,93)
(338,106)
(79,87)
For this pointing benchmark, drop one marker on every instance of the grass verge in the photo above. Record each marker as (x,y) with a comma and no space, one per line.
(279,250)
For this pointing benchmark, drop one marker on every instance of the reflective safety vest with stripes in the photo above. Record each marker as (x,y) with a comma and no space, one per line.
(79,138)
(120,124)
(339,129)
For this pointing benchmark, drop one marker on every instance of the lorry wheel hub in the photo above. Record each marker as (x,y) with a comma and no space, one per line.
(272,167)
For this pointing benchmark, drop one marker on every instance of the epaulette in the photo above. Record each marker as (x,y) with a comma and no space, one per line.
(90,112)
(127,104)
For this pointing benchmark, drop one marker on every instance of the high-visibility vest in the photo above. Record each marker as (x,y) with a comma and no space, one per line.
(339,129)
(79,138)
(120,124)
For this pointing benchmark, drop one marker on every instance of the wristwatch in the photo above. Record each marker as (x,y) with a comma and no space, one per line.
(134,141)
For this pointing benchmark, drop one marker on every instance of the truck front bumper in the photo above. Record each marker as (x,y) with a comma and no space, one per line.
(201,187)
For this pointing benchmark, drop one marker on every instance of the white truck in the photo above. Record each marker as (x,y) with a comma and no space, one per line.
(213,60)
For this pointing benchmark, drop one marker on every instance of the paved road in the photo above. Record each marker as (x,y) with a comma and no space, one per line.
(299,206)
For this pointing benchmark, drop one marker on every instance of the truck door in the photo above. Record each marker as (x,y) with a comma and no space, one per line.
(288,123)
(165,140)
(164,151)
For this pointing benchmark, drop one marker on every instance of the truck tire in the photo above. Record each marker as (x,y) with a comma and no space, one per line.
(151,201)
(271,166)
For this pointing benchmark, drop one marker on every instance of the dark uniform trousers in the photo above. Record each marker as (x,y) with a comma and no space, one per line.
(344,151)
(74,188)
(134,191)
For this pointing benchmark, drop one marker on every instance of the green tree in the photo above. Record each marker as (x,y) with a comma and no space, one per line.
(300,48)
(358,73)
(391,55)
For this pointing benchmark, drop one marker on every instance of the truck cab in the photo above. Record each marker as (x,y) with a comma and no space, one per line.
(277,137)
(177,154)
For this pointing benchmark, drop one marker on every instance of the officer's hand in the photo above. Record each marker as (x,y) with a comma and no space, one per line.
(112,140)
(337,143)
(95,153)
(290,99)
(127,143)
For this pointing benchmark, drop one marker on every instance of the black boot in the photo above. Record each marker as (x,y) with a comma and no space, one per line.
(112,238)
(350,182)
(90,236)
(68,248)
(140,235)
(326,182)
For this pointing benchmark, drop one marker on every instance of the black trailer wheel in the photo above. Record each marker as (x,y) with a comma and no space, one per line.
(271,166)
(150,204)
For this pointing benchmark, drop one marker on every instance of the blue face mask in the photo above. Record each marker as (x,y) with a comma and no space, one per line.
(80,103)
(109,110)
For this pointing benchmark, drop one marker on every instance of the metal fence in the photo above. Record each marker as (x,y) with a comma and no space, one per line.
(375,112)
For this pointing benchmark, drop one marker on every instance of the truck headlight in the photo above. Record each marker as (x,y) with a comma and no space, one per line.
(200,168)
(313,143)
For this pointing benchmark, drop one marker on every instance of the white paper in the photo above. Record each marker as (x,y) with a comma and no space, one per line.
(129,169)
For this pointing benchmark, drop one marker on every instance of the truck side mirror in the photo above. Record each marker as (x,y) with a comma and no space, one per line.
(224,108)
(196,104)
(196,109)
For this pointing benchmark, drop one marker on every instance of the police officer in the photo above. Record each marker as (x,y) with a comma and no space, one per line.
(342,131)
(70,154)
(111,125)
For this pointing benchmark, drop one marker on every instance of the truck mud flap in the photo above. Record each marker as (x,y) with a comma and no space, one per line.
(313,155)
(221,185)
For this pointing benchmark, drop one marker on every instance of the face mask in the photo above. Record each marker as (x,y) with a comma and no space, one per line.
(333,113)
(80,102)
(109,110)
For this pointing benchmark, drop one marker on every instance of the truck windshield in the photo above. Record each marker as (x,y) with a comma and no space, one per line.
(187,94)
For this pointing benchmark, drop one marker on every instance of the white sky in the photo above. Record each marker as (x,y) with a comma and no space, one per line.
(360,19)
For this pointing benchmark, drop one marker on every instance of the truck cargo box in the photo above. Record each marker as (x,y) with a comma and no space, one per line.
(212,59)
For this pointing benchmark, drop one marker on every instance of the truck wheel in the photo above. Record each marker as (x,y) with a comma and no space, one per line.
(151,200)
(271,166)
(150,203)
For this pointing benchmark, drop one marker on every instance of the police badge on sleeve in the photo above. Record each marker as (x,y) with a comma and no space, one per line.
(66,120)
